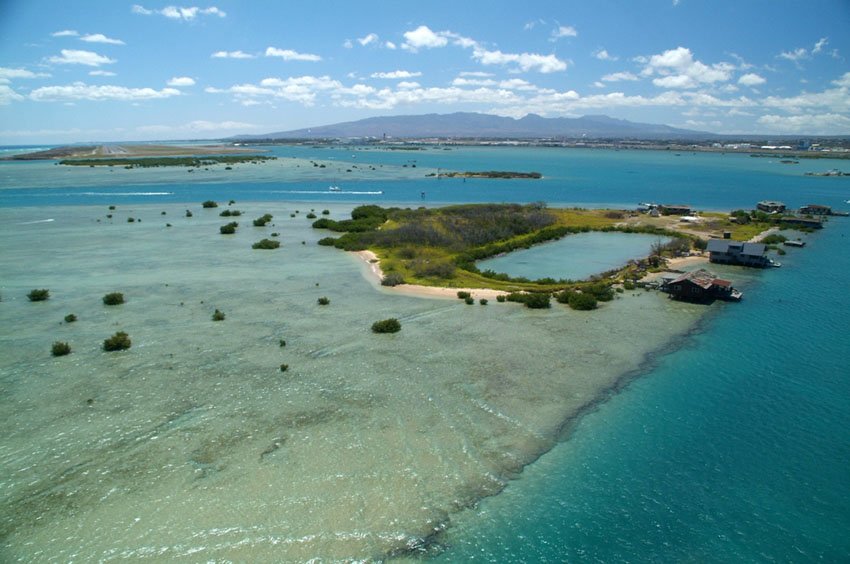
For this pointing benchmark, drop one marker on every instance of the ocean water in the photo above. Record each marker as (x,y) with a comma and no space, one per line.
(645,431)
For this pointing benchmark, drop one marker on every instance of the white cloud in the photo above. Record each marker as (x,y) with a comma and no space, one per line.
(619,76)
(197,126)
(463,81)
(396,74)
(795,55)
(478,74)
(390,45)
(180,13)
(370,38)
(181,81)
(348,44)
(517,84)
(65,33)
(677,68)
(844,81)
(563,31)
(231,55)
(77,57)
(302,89)
(421,37)
(751,79)
(525,61)
(101,73)
(821,124)
(7,73)
(820,45)
(100,38)
(82,91)
(290,55)
(7,95)
(603,55)
(406,85)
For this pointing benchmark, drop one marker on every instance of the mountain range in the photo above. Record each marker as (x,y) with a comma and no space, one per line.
(486,126)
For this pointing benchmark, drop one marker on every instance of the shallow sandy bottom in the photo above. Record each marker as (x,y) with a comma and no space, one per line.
(194,444)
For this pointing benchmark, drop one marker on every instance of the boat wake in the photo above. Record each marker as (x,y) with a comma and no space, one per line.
(335,192)
(36,221)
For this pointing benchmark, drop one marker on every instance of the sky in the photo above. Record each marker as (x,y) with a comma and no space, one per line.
(92,70)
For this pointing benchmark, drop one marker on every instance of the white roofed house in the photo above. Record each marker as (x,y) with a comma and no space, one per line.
(727,251)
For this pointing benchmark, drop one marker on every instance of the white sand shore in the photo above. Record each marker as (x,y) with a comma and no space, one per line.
(377,274)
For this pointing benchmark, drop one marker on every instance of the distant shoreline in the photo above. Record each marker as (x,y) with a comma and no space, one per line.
(128,151)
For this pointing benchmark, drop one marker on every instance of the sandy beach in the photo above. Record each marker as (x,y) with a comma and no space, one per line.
(376,275)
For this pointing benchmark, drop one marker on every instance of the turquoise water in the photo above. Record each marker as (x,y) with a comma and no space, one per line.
(731,442)
(576,257)
(734,448)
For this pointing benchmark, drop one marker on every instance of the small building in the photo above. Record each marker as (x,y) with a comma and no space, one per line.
(674,209)
(815,209)
(700,286)
(770,206)
(729,251)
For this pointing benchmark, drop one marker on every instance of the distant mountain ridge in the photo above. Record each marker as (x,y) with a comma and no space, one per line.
(487,126)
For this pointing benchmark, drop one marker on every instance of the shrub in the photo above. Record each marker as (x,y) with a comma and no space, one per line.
(469,300)
(311,215)
(532,300)
(282,343)
(391,325)
(500,298)
(188,213)
(118,342)
(38,295)
(284,367)
(218,315)
(231,202)
(130,220)
(210,204)
(327,241)
(483,301)
(326,212)
(582,301)
(392,279)
(114,298)
(60,348)
(629,284)
(266,244)
(774,239)
(229,213)
(70,318)
(262,221)
(228,229)
(463,295)
(112,207)
(323,301)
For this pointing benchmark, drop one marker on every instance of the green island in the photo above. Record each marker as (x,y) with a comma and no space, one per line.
(150,162)
(439,247)
(490,174)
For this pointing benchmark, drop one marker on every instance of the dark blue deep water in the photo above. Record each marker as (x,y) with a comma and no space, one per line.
(732,447)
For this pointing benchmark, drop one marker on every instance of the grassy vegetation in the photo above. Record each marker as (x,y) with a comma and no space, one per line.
(229,213)
(113,298)
(228,229)
(39,295)
(118,342)
(148,162)
(440,246)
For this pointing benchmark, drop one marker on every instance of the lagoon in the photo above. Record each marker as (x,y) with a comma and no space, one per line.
(575,257)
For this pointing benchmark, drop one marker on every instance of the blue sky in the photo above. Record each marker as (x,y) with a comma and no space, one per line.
(101,71)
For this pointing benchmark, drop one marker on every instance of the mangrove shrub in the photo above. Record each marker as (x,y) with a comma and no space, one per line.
(60,348)
(113,298)
(391,325)
(118,342)
(38,295)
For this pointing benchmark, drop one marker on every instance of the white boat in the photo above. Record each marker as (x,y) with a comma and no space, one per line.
(334,189)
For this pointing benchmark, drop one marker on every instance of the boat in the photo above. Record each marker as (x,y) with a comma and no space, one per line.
(794,243)
(334,189)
